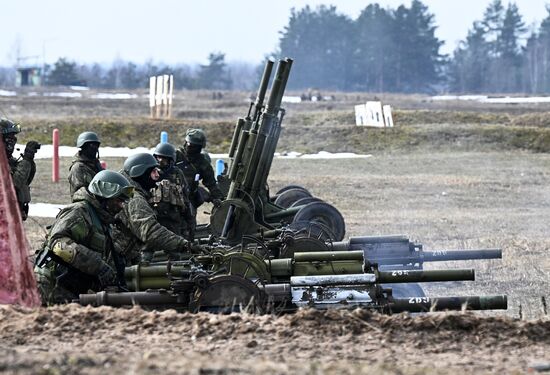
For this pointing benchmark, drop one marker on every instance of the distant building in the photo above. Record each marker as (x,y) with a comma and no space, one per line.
(28,76)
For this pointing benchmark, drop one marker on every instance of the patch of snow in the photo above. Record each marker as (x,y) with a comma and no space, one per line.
(44,209)
(291,99)
(7,93)
(63,94)
(46,152)
(117,95)
(79,88)
(488,100)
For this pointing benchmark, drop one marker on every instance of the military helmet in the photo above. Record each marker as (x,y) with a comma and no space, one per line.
(165,149)
(195,137)
(136,165)
(86,137)
(110,184)
(9,126)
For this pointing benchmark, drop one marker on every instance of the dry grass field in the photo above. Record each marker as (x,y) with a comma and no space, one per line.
(472,181)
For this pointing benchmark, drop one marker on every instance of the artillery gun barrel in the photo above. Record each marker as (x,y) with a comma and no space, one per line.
(263,88)
(407,257)
(386,277)
(424,304)
(128,298)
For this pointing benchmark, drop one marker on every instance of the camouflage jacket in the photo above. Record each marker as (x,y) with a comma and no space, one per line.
(140,229)
(170,201)
(81,172)
(197,168)
(81,235)
(22,174)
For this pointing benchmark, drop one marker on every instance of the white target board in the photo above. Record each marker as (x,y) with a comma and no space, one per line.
(374,114)
(360,115)
(388,119)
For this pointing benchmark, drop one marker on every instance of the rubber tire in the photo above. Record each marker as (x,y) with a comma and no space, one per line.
(288,187)
(290,196)
(326,214)
(305,200)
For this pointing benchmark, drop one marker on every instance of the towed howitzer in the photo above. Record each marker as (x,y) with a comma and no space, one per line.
(248,208)
(236,279)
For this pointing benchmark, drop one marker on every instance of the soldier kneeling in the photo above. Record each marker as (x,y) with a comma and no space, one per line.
(78,255)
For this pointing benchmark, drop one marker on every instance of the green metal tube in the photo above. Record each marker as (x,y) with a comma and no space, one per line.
(318,256)
(283,213)
(279,267)
(151,271)
(236,134)
(327,268)
(419,276)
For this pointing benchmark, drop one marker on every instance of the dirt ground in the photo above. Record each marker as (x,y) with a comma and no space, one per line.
(444,199)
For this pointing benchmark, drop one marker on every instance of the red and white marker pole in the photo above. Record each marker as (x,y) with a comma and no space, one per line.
(55,158)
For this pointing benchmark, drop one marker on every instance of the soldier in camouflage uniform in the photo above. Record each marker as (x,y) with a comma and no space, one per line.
(171,198)
(141,233)
(85,163)
(22,169)
(78,255)
(196,166)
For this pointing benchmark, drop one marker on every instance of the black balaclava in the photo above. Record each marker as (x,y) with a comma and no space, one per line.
(192,149)
(90,150)
(9,141)
(145,180)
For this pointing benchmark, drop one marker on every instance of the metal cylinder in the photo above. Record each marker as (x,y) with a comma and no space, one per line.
(328,256)
(127,299)
(423,304)
(333,280)
(445,255)
(327,268)
(419,276)
(235,139)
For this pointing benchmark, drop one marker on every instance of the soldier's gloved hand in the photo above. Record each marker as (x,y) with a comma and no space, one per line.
(195,249)
(216,202)
(30,150)
(106,276)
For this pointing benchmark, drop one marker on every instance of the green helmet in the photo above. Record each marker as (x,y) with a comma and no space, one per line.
(165,149)
(86,137)
(136,165)
(110,184)
(195,137)
(9,126)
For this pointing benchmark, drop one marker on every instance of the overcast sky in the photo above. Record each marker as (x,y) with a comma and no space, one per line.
(173,31)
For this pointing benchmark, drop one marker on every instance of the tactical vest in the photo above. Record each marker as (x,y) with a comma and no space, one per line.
(170,192)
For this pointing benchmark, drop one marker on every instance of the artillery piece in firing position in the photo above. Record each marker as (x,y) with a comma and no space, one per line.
(249,208)
(263,256)
(245,276)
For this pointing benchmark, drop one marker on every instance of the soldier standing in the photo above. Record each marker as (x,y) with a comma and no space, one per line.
(85,163)
(196,166)
(171,198)
(141,231)
(79,254)
(22,169)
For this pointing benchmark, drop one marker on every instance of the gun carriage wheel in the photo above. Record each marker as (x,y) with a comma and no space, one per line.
(288,187)
(227,293)
(290,196)
(323,213)
(305,200)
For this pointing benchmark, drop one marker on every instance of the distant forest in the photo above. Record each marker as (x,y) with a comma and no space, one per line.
(383,50)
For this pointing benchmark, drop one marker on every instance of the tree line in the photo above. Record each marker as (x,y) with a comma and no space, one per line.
(382,50)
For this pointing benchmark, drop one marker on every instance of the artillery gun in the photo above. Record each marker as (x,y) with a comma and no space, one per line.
(229,279)
(285,252)
(249,209)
